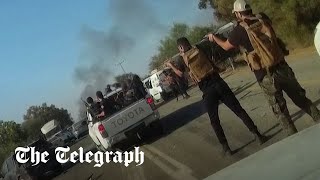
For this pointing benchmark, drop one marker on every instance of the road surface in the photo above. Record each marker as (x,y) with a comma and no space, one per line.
(189,148)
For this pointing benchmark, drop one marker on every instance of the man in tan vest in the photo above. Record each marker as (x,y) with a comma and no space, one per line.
(214,88)
(256,37)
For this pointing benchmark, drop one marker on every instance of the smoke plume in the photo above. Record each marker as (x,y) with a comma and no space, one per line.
(130,21)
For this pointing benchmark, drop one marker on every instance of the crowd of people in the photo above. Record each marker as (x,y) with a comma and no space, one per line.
(104,106)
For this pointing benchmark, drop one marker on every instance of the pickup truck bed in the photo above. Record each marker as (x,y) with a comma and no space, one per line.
(124,124)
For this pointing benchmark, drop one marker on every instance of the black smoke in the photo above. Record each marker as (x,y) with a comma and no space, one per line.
(130,22)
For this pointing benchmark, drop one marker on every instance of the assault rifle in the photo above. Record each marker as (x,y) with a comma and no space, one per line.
(85,103)
(221,32)
(217,53)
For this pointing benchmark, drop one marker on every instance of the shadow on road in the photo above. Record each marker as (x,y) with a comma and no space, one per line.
(184,115)
(300,113)
(69,164)
(244,87)
(242,147)
(176,120)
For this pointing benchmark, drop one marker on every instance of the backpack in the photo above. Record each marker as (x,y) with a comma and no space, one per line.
(198,63)
(267,51)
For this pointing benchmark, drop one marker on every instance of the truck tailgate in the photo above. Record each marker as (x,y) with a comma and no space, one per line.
(127,117)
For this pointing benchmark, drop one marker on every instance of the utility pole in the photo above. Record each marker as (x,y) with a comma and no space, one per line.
(120,64)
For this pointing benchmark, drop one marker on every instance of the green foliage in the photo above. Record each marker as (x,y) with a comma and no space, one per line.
(294,20)
(37,116)
(168,46)
(11,136)
(223,8)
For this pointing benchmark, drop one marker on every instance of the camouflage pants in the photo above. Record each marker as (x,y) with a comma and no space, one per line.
(282,78)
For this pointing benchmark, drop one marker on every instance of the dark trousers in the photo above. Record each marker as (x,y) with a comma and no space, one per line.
(282,78)
(215,89)
(183,86)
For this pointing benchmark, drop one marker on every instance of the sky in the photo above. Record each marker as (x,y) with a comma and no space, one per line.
(51,50)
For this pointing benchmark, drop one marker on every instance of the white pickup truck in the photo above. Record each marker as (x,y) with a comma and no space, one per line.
(127,122)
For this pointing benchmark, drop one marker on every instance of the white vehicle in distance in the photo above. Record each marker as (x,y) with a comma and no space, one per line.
(156,88)
(80,128)
(54,134)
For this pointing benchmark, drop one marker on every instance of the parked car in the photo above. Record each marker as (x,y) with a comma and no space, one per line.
(68,137)
(80,128)
(52,131)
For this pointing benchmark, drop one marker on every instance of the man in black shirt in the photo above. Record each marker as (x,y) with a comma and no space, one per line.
(94,108)
(273,80)
(137,85)
(106,105)
(215,89)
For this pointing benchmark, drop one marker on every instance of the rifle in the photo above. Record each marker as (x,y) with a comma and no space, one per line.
(85,103)
(88,111)
(219,32)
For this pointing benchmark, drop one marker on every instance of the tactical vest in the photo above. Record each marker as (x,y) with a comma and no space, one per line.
(267,51)
(198,63)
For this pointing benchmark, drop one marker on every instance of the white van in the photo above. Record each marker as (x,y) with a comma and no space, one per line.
(53,133)
(155,87)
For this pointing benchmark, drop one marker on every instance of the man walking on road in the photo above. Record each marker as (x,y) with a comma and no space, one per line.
(214,88)
(256,38)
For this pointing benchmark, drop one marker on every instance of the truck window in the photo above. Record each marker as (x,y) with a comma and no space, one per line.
(148,84)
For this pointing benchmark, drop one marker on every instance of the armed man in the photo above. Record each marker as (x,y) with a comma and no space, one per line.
(107,106)
(257,41)
(93,108)
(205,73)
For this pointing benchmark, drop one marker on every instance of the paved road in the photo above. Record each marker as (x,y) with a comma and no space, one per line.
(190,149)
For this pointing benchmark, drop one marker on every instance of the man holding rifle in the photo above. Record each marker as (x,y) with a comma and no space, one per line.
(205,73)
(256,39)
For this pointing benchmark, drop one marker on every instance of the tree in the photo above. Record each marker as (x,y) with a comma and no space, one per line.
(37,116)
(294,20)
(11,136)
(223,8)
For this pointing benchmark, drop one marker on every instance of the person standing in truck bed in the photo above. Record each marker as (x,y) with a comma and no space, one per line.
(94,108)
(107,106)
